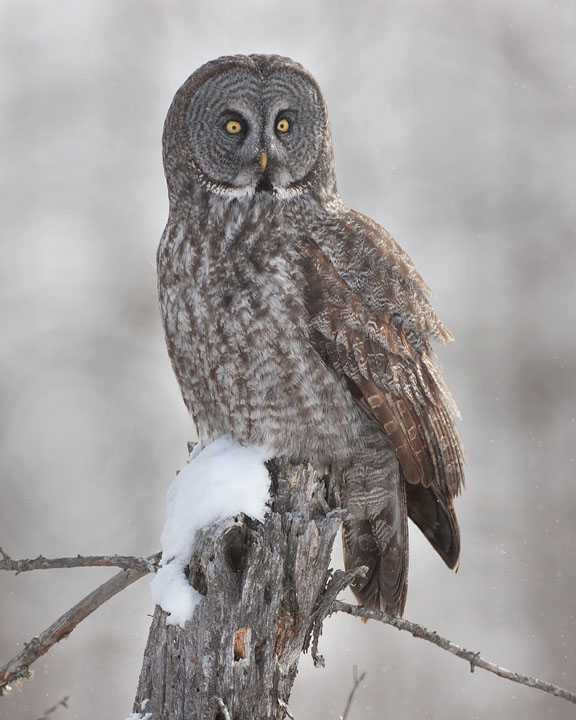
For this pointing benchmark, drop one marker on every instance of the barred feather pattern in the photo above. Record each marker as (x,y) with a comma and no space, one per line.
(294,322)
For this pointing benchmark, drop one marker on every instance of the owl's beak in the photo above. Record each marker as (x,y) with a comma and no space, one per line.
(263,160)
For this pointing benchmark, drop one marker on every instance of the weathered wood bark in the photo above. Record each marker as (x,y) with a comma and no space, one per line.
(238,656)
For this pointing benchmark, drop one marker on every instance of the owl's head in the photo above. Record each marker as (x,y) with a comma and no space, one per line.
(244,125)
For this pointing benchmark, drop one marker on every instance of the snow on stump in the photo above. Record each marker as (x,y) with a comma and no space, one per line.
(246,551)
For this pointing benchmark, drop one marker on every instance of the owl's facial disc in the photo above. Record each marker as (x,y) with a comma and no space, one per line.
(252,133)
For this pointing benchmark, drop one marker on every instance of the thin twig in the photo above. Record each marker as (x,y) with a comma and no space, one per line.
(63,703)
(285,707)
(357,680)
(334,584)
(19,666)
(41,563)
(472,657)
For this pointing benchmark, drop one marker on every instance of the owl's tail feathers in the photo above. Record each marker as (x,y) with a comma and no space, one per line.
(434,514)
(381,544)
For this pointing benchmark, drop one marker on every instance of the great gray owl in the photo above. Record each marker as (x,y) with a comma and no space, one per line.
(297,323)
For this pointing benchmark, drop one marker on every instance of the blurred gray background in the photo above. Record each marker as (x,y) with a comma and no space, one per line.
(454,126)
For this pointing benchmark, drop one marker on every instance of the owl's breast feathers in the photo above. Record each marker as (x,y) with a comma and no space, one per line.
(372,322)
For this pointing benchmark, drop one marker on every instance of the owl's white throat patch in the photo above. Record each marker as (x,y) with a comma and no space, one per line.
(266,190)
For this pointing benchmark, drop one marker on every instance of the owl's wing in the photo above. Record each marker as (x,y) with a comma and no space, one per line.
(372,323)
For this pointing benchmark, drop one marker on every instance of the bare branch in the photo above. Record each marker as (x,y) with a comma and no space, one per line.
(19,666)
(42,563)
(357,680)
(285,707)
(135,568)
(335,583)
(472,657)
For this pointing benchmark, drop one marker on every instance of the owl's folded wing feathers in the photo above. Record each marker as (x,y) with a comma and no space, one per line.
(372,322)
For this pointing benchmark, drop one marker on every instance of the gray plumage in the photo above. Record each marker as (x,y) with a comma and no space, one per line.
(297,323)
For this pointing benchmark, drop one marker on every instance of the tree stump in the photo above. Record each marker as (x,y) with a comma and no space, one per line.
(238,656)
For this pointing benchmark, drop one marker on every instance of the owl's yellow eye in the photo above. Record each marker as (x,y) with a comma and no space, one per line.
(233,127)
(283,125)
